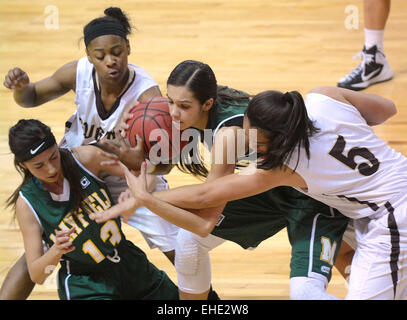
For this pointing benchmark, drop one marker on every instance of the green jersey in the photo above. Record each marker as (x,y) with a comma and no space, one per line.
(104,265)
(229,111)
(93,242)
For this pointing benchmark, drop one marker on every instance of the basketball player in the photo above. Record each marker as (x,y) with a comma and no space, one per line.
(330,153)
(60,188)
(196,101)
(105,85)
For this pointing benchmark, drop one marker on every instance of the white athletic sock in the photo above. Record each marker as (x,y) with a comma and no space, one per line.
(374,37)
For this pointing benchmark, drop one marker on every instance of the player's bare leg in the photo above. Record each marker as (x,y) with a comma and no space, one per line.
(193,296)
(170,255)
(17,285)
(344,260)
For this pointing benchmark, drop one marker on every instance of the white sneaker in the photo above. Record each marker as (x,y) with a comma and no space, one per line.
(374,68)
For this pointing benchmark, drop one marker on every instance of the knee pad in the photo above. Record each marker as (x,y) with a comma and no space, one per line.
(192,261)
(305,288)
(187,256)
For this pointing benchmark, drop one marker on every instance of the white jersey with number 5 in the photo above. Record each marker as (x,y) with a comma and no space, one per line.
(350,168)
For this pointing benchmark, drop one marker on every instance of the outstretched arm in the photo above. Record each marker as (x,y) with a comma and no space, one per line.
(200,222)
(93,158)
(228,188)
(31,94)
(223,186)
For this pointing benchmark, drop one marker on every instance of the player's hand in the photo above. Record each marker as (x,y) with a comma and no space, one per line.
(132,157)
(63,242)
(126,117)
(124,209)
(16,79)
(124,196)
(137,184)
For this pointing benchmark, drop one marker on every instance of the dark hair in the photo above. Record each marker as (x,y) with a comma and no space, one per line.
(284,119)
(199,78)
(112,14)
(27,133)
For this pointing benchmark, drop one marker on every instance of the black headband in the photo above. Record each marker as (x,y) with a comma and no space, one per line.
(36,149)
(102,29)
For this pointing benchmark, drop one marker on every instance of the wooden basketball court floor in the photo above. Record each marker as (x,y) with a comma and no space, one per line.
(251,45)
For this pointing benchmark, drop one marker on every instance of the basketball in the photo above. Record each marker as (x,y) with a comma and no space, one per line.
(152,122)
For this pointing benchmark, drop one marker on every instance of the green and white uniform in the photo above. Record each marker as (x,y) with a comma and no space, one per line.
(314,230)
(104,265)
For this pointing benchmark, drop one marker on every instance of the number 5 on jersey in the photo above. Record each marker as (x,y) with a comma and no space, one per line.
(364,168)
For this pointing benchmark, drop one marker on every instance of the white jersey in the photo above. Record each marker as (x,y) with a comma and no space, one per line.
(350,168)
(91,122)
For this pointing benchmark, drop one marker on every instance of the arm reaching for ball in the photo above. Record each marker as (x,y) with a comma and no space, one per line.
(200,221)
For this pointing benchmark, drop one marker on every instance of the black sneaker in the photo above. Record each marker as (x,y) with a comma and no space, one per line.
(374,68)
(212,295)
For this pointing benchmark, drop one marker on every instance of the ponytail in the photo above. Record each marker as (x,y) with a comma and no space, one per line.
(283,118)
(118,15)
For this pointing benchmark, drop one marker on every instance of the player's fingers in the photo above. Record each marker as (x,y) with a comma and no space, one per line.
(126,117)
(22,77)
(65,232)
(123,143)
(126,171)
(16,73)
(124,126)
(98,217)
(110,155)
(7,83)
(70,249)
(109,147)
(127,174)
(66,244)
(11,81)
(143,171)
(123,196)
(139,141)
(103,216)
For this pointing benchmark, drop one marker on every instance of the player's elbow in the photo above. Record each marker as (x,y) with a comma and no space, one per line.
(203,233)
(205,229)
(37,279)
(26,103)
(391,109)
(387,110)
